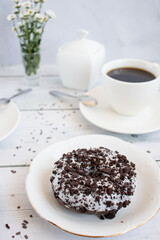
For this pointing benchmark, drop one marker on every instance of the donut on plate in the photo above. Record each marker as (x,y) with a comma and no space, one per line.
(94,181)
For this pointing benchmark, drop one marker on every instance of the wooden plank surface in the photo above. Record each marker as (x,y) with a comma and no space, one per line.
(44,121)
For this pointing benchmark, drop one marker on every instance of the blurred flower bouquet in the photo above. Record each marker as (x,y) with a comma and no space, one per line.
(29,24)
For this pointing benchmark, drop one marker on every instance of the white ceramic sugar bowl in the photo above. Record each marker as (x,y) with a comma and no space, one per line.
(79,62)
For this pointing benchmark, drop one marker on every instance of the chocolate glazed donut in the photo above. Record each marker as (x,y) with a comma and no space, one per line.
(94,181)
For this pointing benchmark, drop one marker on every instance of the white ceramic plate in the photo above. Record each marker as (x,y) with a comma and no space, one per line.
(105,117)
(145,203)
(9,119)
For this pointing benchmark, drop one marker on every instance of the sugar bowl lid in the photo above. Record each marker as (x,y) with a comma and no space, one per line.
(82,45)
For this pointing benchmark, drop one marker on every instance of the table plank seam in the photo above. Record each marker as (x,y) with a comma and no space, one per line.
(17,165)
(50,109)
(18,210)
(20,76)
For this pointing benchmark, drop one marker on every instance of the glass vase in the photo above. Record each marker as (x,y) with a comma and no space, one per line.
(31,63)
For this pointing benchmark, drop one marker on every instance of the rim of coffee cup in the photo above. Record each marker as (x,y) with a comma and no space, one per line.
(107,68)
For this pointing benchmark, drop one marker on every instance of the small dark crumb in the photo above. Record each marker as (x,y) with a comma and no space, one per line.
(18,207)
(14,155)
(33,151)
(29,149)
(13,171)
(24,226)
(121,221)
(31,160)
(13,236)
(25,221)
(12,195)
(25,236)
(134,135)
(18,233)
(30,216)
(40,113)
(7,226)
(148,151)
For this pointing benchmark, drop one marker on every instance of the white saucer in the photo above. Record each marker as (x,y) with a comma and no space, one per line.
(105,117)
(9,118)
(144,205)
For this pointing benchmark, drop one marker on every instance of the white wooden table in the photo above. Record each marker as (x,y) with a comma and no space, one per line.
(44,121)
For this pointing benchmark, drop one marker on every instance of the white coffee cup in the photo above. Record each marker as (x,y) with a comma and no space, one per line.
(130,98)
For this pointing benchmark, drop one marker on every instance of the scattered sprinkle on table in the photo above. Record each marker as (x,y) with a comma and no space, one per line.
(7,226)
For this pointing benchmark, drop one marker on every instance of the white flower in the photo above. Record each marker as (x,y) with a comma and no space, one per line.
(36,10)
(50,14)
(20,24)
(16,11)
(20,35)
(14,29)
(26,4)
(45,18)
(39,17)
(31,11)
(17,1)
(11,17)
(21,15)
(17,5)
(25,13)
(39,30)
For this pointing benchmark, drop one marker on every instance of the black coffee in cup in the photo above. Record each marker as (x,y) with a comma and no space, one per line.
(133,75)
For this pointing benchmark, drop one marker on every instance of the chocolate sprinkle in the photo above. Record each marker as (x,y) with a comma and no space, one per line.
(7,226)
(25,221)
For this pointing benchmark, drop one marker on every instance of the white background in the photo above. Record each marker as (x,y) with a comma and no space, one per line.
(127,28)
